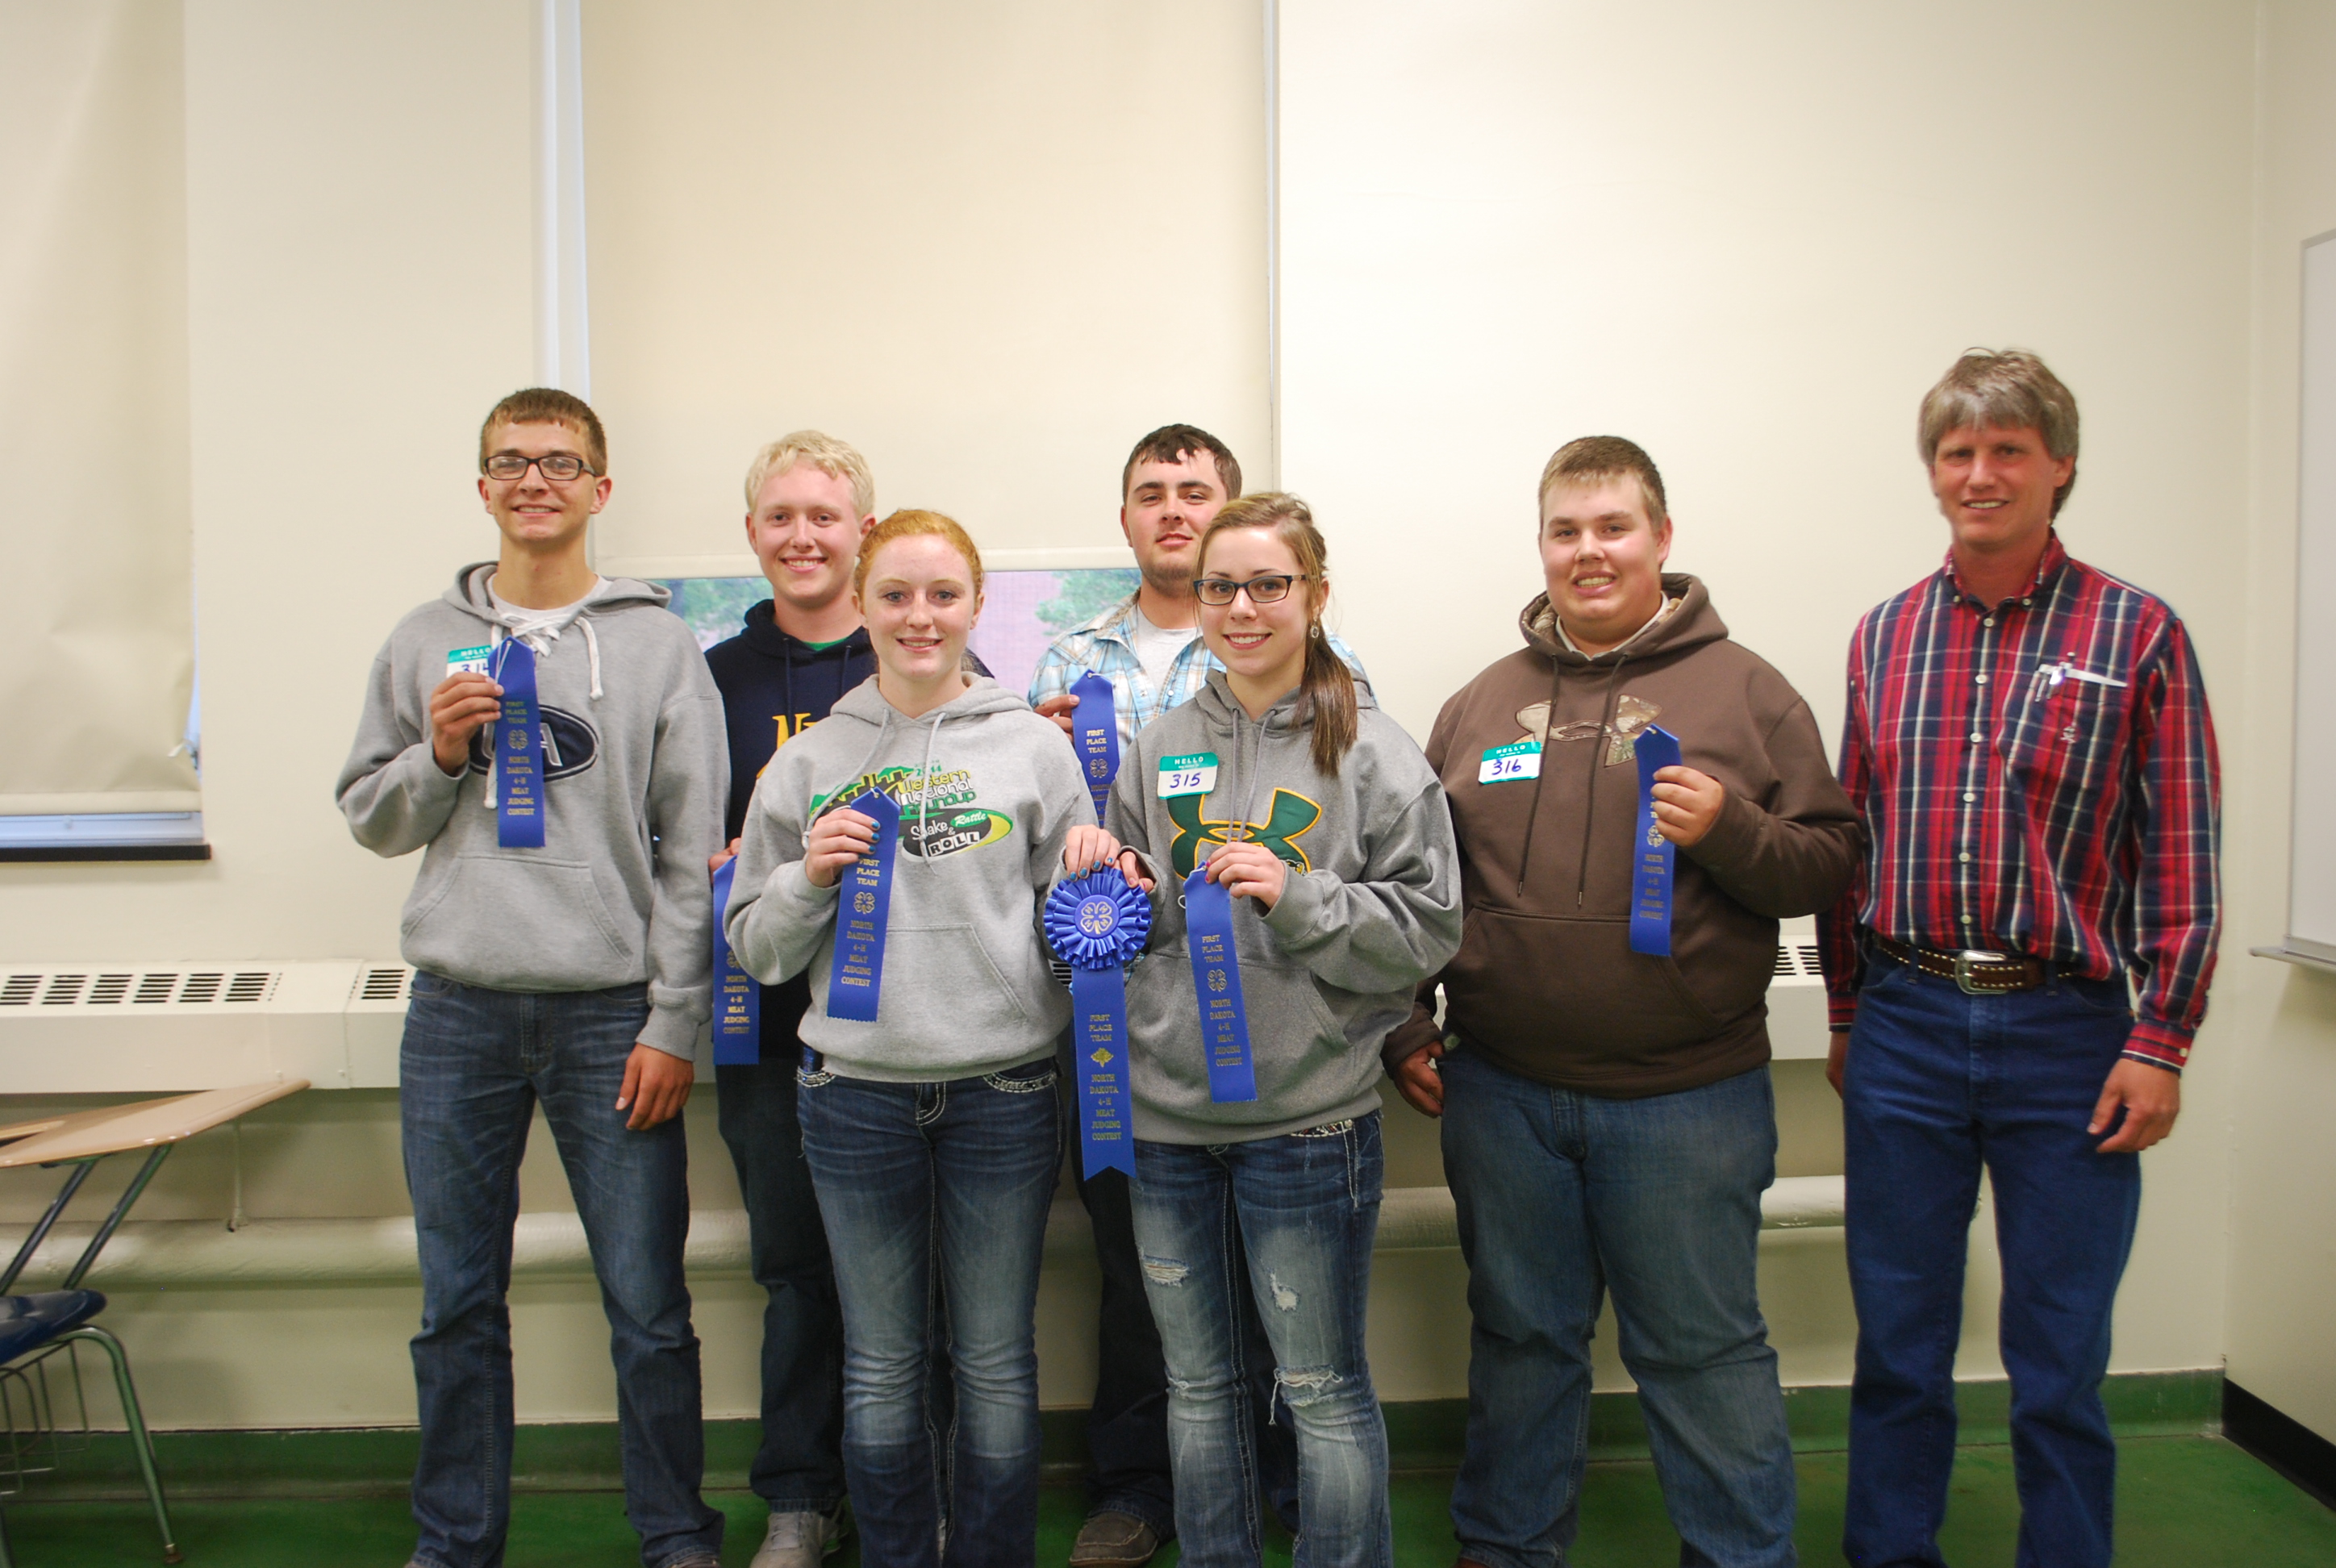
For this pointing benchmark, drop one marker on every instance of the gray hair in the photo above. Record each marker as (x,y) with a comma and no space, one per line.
(2006,389)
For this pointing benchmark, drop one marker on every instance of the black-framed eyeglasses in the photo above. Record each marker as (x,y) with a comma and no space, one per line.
(1268,587)
(556,466)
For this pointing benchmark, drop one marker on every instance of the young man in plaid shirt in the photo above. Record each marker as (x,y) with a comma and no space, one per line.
(2028,743)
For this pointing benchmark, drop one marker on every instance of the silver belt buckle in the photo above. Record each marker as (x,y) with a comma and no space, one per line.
(1965,961)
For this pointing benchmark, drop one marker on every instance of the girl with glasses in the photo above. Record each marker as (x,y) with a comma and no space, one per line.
(1285,784)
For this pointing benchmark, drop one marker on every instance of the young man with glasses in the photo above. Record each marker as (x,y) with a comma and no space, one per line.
(551,741)
(1148,645)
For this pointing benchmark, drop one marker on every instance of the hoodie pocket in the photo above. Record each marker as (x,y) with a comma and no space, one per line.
(531,925)
(953,975)
(1528,985)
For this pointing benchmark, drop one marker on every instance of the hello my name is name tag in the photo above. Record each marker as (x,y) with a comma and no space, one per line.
(1508,763)
(1188,775)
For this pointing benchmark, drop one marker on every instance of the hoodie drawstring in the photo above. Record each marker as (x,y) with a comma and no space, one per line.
(1541,778)
(1598,744)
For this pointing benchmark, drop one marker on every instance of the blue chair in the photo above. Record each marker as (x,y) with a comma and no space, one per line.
(49,1322)
(46,1323)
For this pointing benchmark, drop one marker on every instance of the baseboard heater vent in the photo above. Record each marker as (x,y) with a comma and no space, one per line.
(144,1028)
(138,1029)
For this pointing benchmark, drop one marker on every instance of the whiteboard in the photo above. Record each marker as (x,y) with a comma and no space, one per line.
(2312,867)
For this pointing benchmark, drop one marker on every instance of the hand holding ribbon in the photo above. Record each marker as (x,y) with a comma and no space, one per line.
(1096,923)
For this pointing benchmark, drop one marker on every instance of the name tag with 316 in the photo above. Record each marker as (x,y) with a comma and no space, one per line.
(1510,764)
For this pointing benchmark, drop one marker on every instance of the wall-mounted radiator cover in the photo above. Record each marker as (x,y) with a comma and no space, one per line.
(88,1028)
(151,1029)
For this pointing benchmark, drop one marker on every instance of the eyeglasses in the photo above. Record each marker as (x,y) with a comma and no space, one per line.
(560,467)
(1270,589)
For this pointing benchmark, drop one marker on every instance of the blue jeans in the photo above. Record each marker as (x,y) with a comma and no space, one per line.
(1938,1084)
(948,1182)
(1128,1468)
(1298,1213)
(799,1466)
(474,1066)
(1558,1195)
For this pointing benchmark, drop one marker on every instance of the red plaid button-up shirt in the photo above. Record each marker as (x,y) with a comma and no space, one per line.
(2037,777)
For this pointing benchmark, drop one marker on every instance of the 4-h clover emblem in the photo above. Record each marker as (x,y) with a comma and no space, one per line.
(1097,768)
(1097,917)
(1099,1056)
(1216,979)
(1654,837)
(863,902)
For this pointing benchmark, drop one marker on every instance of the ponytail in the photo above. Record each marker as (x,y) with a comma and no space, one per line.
(1327,685)
(1330,690)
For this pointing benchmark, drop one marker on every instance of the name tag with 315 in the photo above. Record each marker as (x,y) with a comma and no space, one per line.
(1188,775)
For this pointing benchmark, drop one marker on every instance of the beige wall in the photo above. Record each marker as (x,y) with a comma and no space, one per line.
(1746,238)
(989,245)
(2283,1247)
(1749,238)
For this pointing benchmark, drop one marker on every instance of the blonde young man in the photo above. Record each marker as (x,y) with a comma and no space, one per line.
(534,731)
(810,499)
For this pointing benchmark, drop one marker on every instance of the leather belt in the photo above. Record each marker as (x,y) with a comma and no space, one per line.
(1978,972)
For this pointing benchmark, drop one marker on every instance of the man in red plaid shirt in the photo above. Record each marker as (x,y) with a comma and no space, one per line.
(2016,973)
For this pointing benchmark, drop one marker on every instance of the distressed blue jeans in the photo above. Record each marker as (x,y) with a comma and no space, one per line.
(1300,1211)
(949,1181)
(474,1066)
(1562,1195)
(1940,1084)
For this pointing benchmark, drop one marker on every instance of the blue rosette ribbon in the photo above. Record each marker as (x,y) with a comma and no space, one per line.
(1097,924)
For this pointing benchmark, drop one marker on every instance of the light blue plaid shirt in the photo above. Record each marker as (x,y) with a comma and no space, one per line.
(1106,645)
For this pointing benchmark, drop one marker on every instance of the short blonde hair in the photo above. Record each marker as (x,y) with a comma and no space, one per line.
(912,524)
(836,458)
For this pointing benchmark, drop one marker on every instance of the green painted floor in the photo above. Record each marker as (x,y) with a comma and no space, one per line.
(2193,1501)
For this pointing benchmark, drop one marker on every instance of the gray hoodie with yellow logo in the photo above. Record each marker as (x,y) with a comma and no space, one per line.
(987,793)
(1371,908)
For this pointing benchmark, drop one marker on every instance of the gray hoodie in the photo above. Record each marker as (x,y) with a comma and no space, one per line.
(987,793)
(636,766)
(1371,908)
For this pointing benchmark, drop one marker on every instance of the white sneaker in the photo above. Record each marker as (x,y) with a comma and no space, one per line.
(800,1540)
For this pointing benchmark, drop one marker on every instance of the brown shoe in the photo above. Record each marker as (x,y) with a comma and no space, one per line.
(1113,1539)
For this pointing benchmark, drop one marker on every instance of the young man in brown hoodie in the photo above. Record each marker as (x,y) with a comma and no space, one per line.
(1607,1111)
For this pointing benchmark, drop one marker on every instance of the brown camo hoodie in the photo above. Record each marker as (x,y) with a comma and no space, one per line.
(1545,984)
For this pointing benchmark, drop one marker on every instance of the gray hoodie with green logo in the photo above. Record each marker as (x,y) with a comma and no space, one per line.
(987,793)
(636,764)
(1371,908)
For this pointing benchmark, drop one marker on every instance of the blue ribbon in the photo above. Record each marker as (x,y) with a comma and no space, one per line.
(1096,923)
(517,749)
(1216,982)
(1094,735)
(863,902)
(1651,853)
(737,994)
